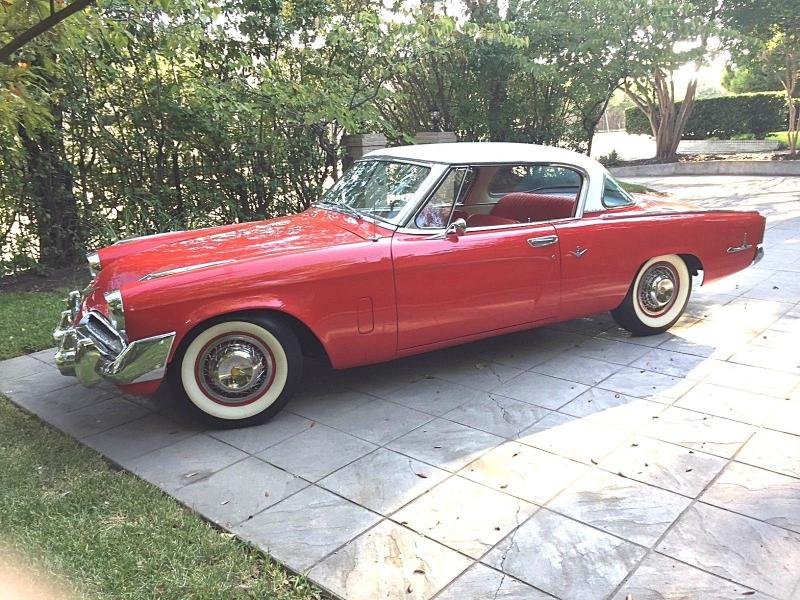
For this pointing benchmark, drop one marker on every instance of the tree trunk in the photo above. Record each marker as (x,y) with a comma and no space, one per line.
(55,211)
(794,118)
(667,121)
(593,117)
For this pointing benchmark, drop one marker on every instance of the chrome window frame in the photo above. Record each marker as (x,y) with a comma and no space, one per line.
(579,208)
(429,195)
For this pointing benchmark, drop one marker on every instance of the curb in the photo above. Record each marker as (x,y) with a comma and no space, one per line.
(776,168)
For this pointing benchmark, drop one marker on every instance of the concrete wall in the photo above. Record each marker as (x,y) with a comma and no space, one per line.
(777,168)
(726,146)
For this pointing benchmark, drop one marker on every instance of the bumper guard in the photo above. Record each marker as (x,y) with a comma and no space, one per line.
(759,253)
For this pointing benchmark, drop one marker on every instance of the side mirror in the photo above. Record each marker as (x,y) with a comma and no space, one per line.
(457,227)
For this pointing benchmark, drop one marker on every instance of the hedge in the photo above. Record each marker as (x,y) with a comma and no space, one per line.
(756,113)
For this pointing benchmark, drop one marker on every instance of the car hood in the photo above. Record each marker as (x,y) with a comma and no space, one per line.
(157,256)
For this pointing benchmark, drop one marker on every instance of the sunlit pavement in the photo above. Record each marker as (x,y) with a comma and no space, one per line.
(572,461)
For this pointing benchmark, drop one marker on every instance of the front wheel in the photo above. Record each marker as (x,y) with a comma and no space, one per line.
(240,372)
(657,297)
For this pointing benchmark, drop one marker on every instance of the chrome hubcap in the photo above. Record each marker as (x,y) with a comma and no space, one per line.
(657,289)
(235,369)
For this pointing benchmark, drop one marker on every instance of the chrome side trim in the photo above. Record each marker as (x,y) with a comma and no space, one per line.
(669,213)
(189,269)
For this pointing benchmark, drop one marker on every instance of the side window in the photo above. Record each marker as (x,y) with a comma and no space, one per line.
(613,194)
(531,193)
(437,210)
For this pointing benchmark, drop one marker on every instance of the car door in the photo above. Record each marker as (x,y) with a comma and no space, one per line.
(481,280)
(454,285)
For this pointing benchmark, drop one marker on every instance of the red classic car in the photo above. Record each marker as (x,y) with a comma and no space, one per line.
(414,248)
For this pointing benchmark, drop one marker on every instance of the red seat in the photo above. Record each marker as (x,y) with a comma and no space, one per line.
(525,207)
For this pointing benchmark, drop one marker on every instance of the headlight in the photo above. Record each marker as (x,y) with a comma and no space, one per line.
(94,263)
(116,310)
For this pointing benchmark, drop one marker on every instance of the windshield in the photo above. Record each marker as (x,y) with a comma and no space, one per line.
(376,188)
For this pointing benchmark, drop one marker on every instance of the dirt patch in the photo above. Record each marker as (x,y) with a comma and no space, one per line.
(71,277)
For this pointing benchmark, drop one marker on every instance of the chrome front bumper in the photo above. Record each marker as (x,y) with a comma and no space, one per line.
(93,350)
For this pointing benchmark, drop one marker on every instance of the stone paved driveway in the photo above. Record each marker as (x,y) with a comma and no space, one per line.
(569,462)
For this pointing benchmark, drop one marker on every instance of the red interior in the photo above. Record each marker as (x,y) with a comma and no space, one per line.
(524,207)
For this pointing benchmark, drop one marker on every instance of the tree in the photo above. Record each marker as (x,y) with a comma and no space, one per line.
(21,37)
(29,77)
(672,33)
(739,79)
(540,72)
(767,38)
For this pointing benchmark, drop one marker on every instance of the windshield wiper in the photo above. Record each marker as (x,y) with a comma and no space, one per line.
(344,208)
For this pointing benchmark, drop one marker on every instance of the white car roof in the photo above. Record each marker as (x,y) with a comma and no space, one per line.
(486,152)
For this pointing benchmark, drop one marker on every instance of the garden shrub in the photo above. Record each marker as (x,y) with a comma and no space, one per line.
(725,117)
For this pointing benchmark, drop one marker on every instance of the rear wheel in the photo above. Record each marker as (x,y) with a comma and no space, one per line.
(240,372)
(657,297)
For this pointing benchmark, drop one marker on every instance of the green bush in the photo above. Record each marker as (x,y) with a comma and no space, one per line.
(726,117)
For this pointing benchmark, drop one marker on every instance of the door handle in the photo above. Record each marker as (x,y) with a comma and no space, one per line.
(545,240)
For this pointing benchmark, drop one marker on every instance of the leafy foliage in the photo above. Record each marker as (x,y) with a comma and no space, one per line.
(741,80)
(674,33)
(768,41)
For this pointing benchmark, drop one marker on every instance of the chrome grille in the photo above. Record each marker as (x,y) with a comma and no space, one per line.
(107,339)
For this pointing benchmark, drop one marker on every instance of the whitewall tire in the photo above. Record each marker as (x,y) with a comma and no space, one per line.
(657,297)
(240,371)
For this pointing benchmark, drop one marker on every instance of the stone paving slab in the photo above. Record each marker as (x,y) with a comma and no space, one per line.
(571,461)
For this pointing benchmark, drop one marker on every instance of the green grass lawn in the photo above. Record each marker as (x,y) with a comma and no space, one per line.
(781,136)
(104,533)
(27,320)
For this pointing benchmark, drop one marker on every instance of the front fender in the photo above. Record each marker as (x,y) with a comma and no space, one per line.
(223,307)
